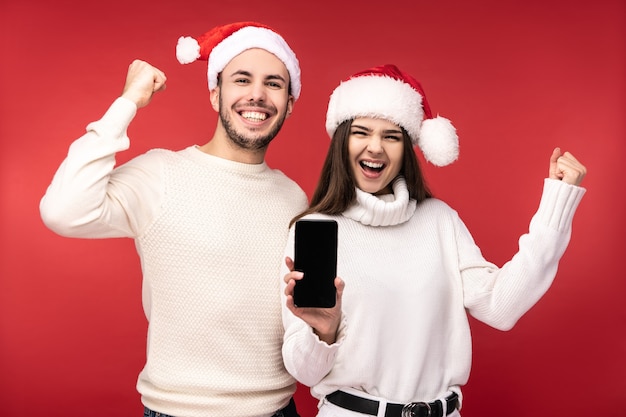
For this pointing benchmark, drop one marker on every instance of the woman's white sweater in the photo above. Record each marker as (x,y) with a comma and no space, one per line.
(412,274)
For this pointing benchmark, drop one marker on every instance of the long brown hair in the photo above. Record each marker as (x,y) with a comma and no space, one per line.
(336,187)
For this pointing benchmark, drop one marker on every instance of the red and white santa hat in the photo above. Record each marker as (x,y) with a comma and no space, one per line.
(389,93)
(222,43)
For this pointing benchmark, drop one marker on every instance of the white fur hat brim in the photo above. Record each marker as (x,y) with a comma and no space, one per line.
(254,37)
(379,97)
(219,50)
(385,97)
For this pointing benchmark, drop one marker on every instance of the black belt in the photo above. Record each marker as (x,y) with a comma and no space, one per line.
(367,406)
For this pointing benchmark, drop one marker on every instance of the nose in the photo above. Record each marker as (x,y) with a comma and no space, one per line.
(375,144)
(257,91)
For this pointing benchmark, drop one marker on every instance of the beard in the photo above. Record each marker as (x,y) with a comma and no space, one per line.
(250,141)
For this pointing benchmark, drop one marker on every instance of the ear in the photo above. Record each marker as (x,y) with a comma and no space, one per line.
(290,103)
(215,99)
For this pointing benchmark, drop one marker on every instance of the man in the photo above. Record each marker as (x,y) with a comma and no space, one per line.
(210,226)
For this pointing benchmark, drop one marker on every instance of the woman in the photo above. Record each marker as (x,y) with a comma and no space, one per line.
(397,342)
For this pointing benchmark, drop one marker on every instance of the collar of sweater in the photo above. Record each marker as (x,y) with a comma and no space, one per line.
(383,210)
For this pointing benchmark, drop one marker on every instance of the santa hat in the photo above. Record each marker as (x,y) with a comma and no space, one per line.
(222,43)
(387,92)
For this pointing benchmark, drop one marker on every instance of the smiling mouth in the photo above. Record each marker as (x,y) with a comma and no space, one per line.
(372,166)
(254,116)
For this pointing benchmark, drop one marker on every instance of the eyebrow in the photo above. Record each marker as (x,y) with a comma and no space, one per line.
(384,131)
(268,77)
(275,77)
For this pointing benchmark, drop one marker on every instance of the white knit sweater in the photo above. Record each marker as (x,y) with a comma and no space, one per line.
(210,234)
(412,274)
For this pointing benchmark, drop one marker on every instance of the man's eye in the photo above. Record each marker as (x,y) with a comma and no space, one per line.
(242,81)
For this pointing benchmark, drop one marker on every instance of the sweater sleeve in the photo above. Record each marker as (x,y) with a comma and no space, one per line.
(499,297)
(306,357)
(90,198)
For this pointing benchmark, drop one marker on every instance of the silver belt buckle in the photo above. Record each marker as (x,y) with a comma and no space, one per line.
(414,410)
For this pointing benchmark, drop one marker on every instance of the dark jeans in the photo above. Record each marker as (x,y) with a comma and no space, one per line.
(288,411)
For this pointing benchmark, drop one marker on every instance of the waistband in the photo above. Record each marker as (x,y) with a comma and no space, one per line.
(288,411)
(415,409)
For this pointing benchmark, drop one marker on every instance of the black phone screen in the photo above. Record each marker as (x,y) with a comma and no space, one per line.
(315,254)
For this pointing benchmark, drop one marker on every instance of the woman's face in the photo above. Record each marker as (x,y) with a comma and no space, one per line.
(375,149)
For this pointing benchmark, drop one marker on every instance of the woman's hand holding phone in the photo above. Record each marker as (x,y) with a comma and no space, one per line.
(323,320)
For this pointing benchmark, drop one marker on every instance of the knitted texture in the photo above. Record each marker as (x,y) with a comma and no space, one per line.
(411,277)
(210,234)
(214,253)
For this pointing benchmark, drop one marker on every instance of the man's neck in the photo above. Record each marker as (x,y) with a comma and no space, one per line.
(224,148)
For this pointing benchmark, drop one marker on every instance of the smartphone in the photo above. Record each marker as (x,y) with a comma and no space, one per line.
(315,254)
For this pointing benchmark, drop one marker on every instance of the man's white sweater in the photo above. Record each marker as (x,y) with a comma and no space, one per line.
(210,234)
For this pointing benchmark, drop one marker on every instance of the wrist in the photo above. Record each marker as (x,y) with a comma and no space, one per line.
(328,335)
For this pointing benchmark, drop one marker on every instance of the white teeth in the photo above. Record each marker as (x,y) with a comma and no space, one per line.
(254,116)
(372,164)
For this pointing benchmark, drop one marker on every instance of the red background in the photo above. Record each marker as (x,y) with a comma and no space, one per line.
(516,79)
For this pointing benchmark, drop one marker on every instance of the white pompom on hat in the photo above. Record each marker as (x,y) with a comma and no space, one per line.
(387,92)
(222,43)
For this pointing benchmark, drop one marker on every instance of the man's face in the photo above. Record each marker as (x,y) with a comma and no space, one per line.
(253,98)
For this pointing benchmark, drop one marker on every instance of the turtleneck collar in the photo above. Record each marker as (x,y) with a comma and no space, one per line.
(383,210)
